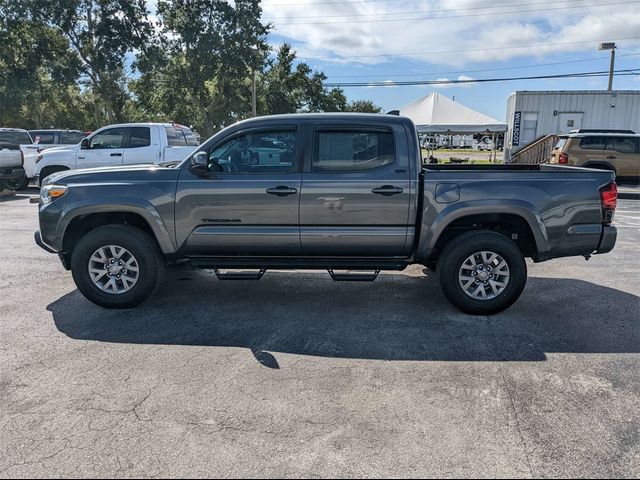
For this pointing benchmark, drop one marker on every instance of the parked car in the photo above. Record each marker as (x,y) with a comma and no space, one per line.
(124,144)
(618,152)
(333,191)
(11,157)
(55,137)
(485,143)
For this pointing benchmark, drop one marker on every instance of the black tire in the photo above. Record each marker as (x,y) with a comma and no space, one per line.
(46,171)
(140,244)
(19,184)
(463,246)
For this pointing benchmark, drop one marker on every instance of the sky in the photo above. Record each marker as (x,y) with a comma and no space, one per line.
(400,40)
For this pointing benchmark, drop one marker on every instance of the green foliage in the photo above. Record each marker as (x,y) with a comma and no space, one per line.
(364,106)
(86,63)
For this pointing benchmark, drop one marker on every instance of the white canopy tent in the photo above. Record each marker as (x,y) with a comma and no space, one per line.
(436,113)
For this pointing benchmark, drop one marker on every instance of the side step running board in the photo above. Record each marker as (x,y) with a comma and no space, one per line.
(353,277)
(240,275)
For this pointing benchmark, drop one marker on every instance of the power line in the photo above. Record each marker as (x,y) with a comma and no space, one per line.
(508,47)
(450,72)
(624,72)
(426,11)
(385,20)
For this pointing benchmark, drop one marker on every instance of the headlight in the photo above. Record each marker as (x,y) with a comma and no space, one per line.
(49,193)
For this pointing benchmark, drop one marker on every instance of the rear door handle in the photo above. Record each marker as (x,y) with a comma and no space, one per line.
(116,154)
(387,190)
(611,157)
(282,191)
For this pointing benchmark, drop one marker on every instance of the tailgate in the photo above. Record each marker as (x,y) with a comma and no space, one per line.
(10,156)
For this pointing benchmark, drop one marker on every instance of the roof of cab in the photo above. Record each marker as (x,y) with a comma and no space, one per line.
(347,117)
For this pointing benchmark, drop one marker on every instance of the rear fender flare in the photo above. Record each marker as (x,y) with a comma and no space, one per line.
(523,209)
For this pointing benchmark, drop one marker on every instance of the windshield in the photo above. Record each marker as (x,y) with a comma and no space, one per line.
(15,138)
(561,143)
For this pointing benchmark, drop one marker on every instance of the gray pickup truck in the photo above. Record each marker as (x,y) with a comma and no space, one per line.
(342,192)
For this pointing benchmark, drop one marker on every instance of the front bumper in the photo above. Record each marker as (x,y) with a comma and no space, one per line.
(38,238)
(8,174)
(608,239)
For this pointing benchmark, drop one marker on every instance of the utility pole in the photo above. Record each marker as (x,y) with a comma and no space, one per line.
(610,46)
(254,109)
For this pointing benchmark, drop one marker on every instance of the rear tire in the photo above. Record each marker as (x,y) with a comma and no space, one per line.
(19,184)
(455,272)
(146,269)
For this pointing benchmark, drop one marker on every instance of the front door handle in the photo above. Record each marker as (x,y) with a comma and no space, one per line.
(116,154)
(387,190)
(282,191)
(611,157)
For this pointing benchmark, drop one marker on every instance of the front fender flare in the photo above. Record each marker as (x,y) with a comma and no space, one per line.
(125,205)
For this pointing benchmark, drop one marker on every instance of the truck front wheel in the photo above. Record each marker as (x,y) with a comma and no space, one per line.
(117,266)
(482,272)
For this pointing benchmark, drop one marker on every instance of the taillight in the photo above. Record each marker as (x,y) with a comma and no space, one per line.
(563,159)
(609,201)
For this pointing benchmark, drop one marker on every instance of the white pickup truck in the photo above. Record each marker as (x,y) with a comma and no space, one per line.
(11,157)
(123,144)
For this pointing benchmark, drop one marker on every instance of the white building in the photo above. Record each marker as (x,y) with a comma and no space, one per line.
(532,114)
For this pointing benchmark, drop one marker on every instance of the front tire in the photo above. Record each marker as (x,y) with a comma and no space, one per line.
(482,272)
(117,266)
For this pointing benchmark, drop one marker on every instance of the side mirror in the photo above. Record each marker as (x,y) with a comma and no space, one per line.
(200,163)
(84,144)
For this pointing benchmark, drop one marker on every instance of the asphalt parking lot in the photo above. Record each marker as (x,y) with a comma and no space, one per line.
(299,376)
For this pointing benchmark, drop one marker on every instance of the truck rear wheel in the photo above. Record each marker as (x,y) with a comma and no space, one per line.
(117,266)
(482,272)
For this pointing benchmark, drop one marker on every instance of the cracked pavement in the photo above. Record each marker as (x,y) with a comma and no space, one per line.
(299,376)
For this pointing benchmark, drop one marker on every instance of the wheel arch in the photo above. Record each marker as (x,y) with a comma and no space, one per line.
(518,222)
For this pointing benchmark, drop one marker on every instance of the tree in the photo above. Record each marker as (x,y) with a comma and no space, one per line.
(100,34)
(300,89)
(363,106)
(202,75)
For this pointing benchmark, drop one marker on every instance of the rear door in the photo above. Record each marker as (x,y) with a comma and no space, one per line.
(356,192)
(143,146)
(623,153)
(247,202)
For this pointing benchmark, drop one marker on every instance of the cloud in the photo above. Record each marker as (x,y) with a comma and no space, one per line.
(458,33)
(465,78)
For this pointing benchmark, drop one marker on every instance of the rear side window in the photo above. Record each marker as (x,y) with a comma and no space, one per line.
(593,143)
(181,137)
(623,144)
(140,137)
(352,151)
(44,137)
(15,138)
(71,138)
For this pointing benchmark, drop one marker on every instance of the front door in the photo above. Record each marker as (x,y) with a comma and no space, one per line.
(105,148)
(356,193)
(569,121)
(247,202)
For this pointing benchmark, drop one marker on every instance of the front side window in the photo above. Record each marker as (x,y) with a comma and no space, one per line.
(255,152)
(593,143)
(107,139)
(140,137)
(71,138)
(352,151)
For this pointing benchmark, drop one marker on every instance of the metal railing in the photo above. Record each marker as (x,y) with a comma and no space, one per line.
(536,152)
